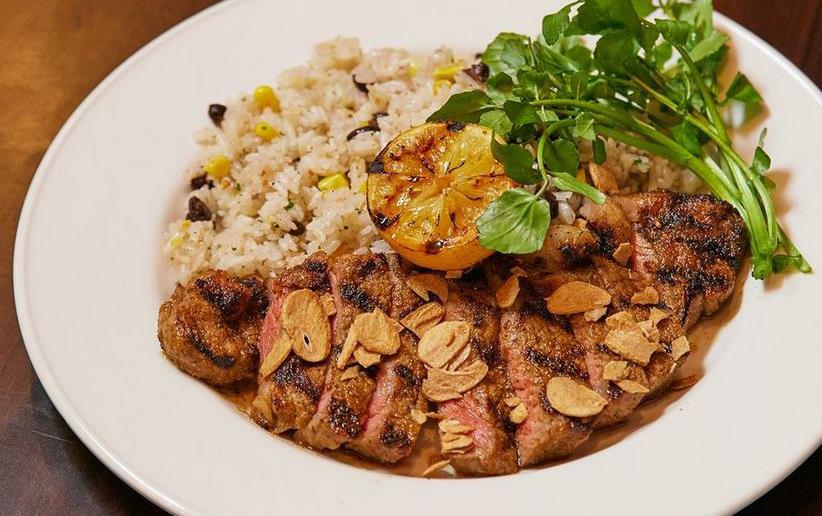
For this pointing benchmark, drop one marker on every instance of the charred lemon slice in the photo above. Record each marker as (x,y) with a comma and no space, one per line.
(427,189)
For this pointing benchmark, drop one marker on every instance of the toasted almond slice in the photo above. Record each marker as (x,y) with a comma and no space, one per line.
(632,387)
(623,253)
(576,297)
(512,402)
(433,468)
(418,416)
(452,442)
(507,292)
(377,332)
(456,362)
(649,329)
(350,373)
(306,322)
(680,346)
(327,300)
(657,315)
(615,370)
(684,382)
(571,398)
(519,271)
(647,296)
(595,314)
(434,415)
(453,426)
(631,344)
(279,352)
(366,358)
(603,177)
(444,385)
(422,284)
(443,342)
(518,414)
(423,318)
(348,348)
(621,321)
(454,274)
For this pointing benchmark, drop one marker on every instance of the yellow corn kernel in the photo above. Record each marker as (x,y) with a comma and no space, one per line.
(413,68)
(448,72)
(581,176)
(333,182)
(218,166)
(265,131)
(439,83)
(264,96)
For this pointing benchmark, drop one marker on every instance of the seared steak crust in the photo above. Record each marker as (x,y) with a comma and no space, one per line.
(209,329)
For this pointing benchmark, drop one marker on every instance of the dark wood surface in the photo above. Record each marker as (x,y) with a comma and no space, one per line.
(52,54)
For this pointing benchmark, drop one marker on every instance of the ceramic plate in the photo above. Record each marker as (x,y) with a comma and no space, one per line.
(89,279)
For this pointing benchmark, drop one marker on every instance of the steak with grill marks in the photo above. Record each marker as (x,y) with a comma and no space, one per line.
(390,432)
(359,283)
(493,451)
(288,397)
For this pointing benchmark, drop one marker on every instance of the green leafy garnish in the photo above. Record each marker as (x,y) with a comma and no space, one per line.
(649,84)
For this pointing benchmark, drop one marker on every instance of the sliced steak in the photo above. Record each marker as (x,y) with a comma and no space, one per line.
(493,451)
(288,397)
(536,348)
(209,328)
(360,283)
(390,432)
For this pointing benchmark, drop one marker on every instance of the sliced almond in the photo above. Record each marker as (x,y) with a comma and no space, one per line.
(277,355)
(433,468)
(621,321)
(519,271)
(680,346)
(306,322)
(366,358)
(623,253)
(507,292)
(423,318)
(418,416)
(443,385)
(347,349)
(649,329)
(443,342)
(657,315)
(595,314)
(631,344)
(453,426)
(571,398)
(434,415)
(350,373)
(456,362)
(377,332)
(647,296)
(512,402)
(603,177)
(518,414)
(576,297)
(615,370)
(327,300)
(454,274)
(632,387)
(422,284)
(453,442)
(684,382)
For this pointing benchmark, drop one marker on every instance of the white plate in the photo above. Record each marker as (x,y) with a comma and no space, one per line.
(89,278)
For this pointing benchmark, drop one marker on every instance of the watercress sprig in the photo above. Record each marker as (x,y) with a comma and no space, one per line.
(648,83)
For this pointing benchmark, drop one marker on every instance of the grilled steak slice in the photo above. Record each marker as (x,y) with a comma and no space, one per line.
(694,242)
(209,328)
(360,283)
(287,398)
(389,433)
(536,348)
(493,451)
(564,246)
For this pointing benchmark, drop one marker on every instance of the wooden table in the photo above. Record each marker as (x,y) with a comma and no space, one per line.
(52,53)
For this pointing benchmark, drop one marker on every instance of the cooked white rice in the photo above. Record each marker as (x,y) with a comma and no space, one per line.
(269,213)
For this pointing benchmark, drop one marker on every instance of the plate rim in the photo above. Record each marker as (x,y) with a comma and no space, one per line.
(146,488)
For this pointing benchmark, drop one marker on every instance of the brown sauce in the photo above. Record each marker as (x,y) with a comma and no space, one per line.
(426,450)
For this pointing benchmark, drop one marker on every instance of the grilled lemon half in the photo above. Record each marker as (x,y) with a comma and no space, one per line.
(427,189)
